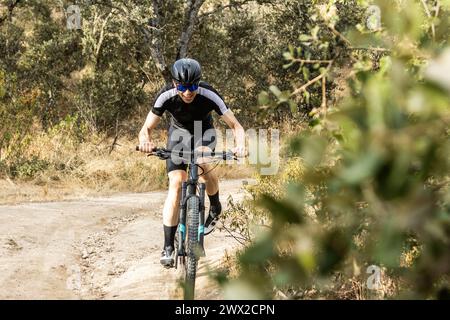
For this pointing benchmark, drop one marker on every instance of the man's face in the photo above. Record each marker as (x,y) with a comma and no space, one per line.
(187,96)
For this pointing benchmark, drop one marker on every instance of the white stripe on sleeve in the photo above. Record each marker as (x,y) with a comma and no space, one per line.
(214,97)
(164,97)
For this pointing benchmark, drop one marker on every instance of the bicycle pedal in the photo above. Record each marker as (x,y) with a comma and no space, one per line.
(169,265)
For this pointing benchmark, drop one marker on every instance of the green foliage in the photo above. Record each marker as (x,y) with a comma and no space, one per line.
(27,168)
(106,76)
(16,115)
(375,177)
(318,55)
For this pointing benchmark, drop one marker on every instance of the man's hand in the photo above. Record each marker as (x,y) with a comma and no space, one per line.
(147,146)
(239,151)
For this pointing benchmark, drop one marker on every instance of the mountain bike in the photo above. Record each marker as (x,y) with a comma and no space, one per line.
(190,233)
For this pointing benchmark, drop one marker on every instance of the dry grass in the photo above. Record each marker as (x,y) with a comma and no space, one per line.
(59,167)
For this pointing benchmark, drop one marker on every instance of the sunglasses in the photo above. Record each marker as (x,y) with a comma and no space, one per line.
(183,88)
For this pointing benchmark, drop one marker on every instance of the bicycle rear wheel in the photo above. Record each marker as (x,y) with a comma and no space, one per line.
(193,207)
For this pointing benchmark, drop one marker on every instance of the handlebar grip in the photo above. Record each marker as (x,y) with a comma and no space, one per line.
(138,148)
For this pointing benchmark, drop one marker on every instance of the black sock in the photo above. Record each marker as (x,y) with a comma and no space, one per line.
(169,236)
(214,199)
(215,207)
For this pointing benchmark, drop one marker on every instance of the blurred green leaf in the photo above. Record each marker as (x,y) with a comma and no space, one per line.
(287,55)
(304,37)
(334,247)
(259,252)
(263,98)
(312,149)
(293,106)
(281,210)
(275,90)
(361,168)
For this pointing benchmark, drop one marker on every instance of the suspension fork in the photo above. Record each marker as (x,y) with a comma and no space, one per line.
(188,188)
(193,178)
(201,227)
(182,224)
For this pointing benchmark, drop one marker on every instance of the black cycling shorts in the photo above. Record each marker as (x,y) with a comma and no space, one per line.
(182,140)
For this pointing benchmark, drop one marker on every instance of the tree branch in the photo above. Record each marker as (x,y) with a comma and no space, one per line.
(438,6)
(190,20)
(306,85)
(240,240)
(102,36)
(11,7)
(324,94)
(116,137)
(370,49)
(312,81)
(428,13)
(154,36)
(312,61)
(338,34)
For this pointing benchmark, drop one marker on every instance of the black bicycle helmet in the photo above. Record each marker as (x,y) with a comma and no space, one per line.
(186,71)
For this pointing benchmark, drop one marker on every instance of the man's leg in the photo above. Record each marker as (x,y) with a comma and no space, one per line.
(212,190)
(171,215)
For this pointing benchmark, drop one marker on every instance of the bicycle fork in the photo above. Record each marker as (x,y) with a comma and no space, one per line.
(181,251)
(201,227)
(182,224)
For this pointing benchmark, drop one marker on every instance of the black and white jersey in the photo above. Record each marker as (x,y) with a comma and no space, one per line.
(184,114)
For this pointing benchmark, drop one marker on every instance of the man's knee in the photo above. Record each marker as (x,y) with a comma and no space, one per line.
(176,178)
(208,173)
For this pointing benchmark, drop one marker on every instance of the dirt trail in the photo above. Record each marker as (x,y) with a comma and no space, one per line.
(97,248)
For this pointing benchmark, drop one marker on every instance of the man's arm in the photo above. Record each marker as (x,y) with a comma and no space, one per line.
(238,132)
(145,142)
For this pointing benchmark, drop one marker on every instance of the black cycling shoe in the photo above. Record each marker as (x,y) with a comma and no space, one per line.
(168,257)
(213,218)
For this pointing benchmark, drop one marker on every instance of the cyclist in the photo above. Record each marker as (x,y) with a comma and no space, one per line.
(190,102)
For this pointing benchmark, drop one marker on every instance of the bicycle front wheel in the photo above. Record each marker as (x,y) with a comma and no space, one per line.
(193,207)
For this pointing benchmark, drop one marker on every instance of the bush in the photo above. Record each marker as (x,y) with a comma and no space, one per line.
(27,168)
(373,188)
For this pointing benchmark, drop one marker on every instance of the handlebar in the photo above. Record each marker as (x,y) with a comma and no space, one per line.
(164,153)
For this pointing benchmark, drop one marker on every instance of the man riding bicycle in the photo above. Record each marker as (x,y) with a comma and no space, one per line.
(190,102)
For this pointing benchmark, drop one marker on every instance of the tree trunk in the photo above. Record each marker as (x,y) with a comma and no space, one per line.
(156,43)
(190,20)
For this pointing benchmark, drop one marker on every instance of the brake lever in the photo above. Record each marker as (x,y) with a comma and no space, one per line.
(230,156)
(162,154)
